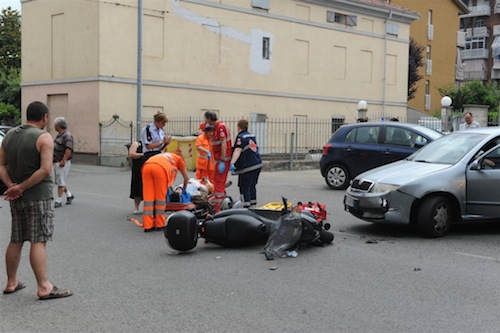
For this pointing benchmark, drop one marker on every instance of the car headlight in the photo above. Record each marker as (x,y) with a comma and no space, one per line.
(380,188)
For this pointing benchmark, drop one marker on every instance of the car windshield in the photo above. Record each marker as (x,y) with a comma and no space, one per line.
(448,149)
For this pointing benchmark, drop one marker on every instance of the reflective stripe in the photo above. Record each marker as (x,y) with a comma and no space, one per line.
(159,211)
(216,143)
(148,203)
(160,203)
(224,159)
(148,212)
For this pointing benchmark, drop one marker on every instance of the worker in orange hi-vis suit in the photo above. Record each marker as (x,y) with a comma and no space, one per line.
(223,148)
(205,165)
(158,174)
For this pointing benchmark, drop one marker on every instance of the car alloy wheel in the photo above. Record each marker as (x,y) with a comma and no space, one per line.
(337,177)
(435,216)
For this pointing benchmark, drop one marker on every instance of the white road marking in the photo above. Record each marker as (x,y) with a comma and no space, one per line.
(478,256)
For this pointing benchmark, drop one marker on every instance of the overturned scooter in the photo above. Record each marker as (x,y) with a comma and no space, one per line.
(240,227)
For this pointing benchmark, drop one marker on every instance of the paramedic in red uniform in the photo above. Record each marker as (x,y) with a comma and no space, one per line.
(222,147)
(158,174)
(246,163)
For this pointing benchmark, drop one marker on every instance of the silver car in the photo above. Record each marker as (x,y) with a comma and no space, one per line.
(455,178)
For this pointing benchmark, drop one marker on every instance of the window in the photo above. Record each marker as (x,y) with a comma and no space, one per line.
(392,29)
(368,134)
(266,46)
(349,20)
(475,43)
(262,4)
(429,18)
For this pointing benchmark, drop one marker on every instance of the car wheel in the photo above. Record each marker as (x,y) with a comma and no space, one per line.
(434,217)
(337,177)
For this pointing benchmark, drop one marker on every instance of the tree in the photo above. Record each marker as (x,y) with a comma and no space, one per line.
(10,66)
(415,61)
(10,39)
(473,92)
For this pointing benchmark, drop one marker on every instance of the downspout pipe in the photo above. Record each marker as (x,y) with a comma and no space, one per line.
(384,89)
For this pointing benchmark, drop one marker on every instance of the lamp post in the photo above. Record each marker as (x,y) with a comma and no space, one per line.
(362,108)
(445,117)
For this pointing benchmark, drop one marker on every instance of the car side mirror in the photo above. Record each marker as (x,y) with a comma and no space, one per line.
(418,145)
(475,165)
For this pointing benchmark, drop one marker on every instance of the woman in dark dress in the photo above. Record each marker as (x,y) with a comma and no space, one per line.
(137,159)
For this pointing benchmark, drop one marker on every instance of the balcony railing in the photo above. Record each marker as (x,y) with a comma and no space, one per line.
(481,10)
(460,39)
(475,54)
(428,67)
(495,74)
(477,32)
(496,30)
(430,32)
(475,75)
(427,102)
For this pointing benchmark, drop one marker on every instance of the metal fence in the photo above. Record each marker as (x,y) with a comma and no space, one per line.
(275,136)
(290,139)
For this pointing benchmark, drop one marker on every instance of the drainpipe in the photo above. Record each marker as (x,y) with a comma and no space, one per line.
(385,66)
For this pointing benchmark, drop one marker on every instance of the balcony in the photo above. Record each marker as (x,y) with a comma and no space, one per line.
(481,10)
(475,54)
(495,74)
(460,39)
(477,32)
(475,75)
(428,67)
(427,102)
(430,32)
(496,30)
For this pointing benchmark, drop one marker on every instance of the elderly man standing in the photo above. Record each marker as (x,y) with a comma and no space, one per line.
(63,152)
(469,122)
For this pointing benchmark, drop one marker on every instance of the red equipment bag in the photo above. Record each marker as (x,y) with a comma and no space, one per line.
(317,209)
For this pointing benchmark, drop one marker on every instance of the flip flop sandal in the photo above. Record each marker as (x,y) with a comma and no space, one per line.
(19,286)
(56,293)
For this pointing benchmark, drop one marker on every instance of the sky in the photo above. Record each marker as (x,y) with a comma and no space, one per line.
(14,4)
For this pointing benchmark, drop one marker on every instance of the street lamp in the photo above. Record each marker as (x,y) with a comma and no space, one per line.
(445,119)
(362,108)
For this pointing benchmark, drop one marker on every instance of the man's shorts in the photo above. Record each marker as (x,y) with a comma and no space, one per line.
(32,221)
(61,174)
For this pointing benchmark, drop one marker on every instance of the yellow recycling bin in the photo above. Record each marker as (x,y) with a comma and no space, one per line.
(187,145)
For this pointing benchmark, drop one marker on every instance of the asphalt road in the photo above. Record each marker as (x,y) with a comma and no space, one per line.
(372,279)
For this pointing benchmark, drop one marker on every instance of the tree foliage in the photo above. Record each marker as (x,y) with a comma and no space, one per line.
(473,92)
(415,61)
(10,66)
(10,39)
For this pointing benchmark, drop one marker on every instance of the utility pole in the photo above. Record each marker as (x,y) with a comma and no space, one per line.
(139,70)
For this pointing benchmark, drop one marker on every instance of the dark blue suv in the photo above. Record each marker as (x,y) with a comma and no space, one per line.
(355,148)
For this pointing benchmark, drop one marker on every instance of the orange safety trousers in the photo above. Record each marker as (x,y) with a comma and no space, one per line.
(220,185)
(155,180)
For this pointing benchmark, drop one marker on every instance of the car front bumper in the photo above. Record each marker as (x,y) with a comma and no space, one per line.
(386,207)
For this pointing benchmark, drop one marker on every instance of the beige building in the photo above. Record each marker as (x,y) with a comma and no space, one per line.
(437,30)
(242,58)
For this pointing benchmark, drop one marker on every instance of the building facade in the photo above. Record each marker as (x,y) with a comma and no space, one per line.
(436,31)
(241,58)
(481,53)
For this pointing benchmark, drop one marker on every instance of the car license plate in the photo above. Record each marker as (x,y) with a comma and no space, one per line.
(350,202)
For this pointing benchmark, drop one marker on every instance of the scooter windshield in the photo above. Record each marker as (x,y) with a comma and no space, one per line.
(284,236)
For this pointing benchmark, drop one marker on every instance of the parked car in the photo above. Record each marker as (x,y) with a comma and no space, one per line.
(358,147)
(455,178)
(4,129)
